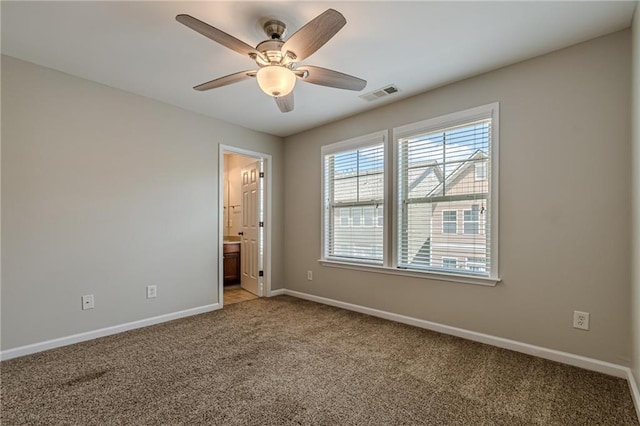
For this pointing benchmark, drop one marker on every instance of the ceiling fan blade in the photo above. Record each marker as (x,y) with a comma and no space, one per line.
(326,77)
(285,103)
(227,79)
(311,37)
(217,35)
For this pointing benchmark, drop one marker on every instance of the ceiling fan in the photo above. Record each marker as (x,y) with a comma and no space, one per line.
(278,59)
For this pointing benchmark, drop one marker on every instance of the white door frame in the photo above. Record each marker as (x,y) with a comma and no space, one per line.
(267,197)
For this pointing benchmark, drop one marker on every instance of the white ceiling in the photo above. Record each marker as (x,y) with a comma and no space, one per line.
(140,47)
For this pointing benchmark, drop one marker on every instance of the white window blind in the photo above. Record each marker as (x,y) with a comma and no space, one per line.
(444,182)
(354,200)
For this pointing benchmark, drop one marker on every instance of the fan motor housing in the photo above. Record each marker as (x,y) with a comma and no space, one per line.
(271,49)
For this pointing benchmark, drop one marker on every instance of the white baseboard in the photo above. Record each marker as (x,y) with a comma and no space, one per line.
(633,387)
(107,331)
(550,354)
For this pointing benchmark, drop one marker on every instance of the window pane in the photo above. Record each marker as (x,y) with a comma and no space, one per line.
(449,263)
(449,215)
(472,214)
(368,215)
(342,217)
(354,187)
(481,171)
(380,215)
(437,178)
(449,222)
(471,228)
(416,243)
(356,216)
(449,227)
(471,218)
(476,264)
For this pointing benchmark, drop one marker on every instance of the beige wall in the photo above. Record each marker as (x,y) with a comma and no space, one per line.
(635,195)
(565,174)
(105,192)
(234,164)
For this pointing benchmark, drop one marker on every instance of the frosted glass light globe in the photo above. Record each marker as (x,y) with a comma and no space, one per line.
(276,81)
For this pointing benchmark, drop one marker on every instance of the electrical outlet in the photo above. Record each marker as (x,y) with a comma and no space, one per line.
(152,291)
(581,320)
(310,275)
(87,302)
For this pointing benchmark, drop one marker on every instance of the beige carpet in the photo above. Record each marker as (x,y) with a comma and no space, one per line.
(284,361)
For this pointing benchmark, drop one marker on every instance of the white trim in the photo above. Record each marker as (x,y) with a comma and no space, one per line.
(107,331)
(448,120)
(278,292)
(540,352)
(633,388)
(374,138)
(491,111)
(428,275)
(493,172)
(355,143)
(388,201)
(268,221)
(221,226)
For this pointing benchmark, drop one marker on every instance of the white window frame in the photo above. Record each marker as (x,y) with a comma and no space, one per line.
(390,239)
(450,221)
(360,222)
(336,148)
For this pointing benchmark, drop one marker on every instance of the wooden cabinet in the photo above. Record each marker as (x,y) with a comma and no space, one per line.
(231,263)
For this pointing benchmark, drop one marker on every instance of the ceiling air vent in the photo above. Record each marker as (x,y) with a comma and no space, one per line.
(380,93)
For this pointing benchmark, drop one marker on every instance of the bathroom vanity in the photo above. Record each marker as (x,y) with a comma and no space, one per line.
(231,262)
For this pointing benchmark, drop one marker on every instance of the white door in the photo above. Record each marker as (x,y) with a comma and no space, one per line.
(249,252)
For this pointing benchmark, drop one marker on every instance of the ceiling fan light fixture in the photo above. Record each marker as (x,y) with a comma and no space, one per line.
(275,80)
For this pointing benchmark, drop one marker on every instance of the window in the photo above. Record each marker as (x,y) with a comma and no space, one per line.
(449,263)
(481,171)
(476,264)
(438,166)
(437,220)
(342,217)
(449,222)
(354,188)
(472,220)
(379,216)
(367,214)
(356,216)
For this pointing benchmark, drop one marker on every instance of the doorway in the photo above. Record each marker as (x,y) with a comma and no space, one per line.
(245,231)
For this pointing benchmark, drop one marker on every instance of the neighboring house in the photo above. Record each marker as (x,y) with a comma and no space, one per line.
(446,226)
(457,231)
(358,225)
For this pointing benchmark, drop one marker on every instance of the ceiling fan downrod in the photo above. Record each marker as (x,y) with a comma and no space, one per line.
(274,29)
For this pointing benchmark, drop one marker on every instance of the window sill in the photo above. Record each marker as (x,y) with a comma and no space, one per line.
(464,279)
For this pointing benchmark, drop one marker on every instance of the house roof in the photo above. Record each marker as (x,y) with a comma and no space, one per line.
(459,171)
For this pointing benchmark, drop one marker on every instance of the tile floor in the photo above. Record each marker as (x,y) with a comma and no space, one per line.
(236,294)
